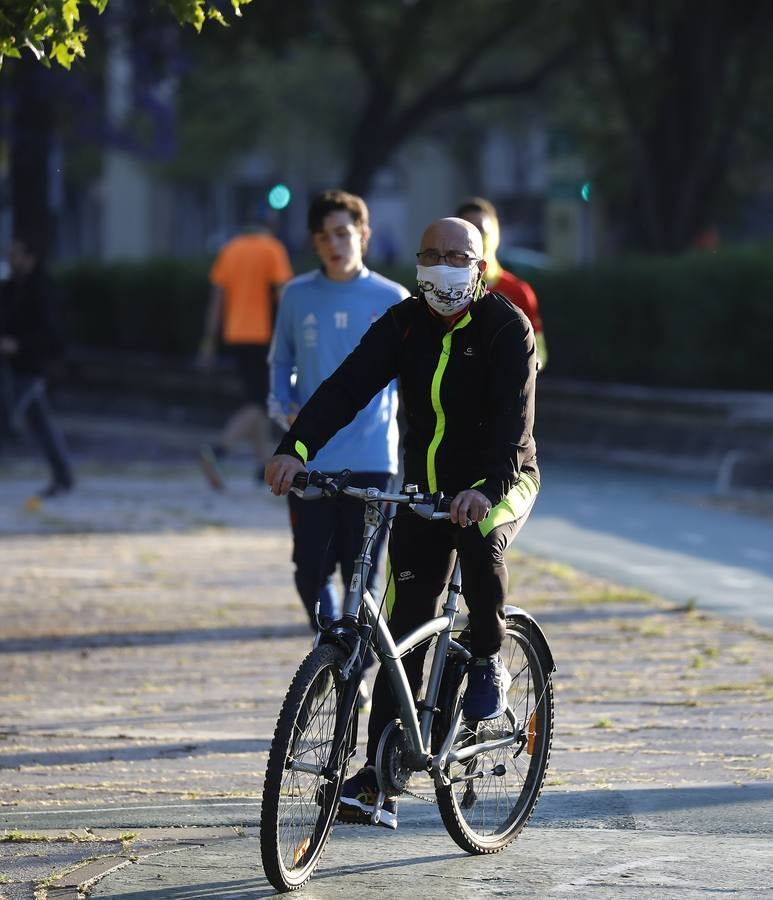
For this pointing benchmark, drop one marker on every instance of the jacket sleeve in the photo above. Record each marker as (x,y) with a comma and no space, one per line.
(365,371)
(509,408)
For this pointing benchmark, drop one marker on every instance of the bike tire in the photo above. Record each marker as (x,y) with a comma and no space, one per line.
(299,807)
(486,813)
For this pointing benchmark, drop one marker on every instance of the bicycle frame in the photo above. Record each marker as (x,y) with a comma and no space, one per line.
(417,730)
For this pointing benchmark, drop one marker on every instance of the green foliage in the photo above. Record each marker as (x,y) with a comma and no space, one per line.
(662,104)
(700,320)
(53,30)
(342,81)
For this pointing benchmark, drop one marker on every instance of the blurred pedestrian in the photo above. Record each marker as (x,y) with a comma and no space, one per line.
(322,316)
(30,339)
(483,216)
(246,278)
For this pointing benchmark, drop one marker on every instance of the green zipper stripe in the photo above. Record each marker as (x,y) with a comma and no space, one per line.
(440,416)
(389,598)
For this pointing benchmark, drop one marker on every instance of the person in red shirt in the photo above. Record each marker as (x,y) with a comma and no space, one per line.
(483,216)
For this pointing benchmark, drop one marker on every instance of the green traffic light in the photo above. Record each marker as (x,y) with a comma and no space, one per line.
(279,196)
(585,191)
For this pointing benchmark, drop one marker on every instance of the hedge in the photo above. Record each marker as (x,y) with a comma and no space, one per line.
(701,320)
(156,306)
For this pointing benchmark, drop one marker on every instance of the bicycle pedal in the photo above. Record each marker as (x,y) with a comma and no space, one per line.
(352,815)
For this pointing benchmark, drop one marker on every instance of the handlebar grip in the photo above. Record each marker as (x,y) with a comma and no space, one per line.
(329,485)
(301,480)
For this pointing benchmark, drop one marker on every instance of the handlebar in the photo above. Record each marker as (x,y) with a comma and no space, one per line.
(314,485)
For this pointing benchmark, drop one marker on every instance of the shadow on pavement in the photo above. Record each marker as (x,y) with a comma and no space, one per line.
(48,644)
(147,751)
(628,808)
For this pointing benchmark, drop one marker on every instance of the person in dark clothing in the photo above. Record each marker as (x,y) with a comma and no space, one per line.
(466,361)
(29,339)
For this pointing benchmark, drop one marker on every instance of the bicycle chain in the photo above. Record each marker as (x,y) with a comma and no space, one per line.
(410,793)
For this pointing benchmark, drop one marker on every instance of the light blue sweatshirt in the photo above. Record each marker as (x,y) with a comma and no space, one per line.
(318,324)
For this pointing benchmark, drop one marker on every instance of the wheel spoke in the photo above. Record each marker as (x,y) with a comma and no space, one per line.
(485,813)
(298,801)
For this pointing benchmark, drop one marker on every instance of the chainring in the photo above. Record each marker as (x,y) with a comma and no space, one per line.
(392,771)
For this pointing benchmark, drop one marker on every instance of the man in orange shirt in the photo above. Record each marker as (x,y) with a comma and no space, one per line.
(246,279)
(483,216)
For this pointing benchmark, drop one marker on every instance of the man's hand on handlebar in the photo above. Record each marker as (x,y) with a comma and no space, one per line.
(469,507)
(280,471)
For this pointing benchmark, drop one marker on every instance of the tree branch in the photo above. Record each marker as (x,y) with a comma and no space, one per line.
(522,85)
(715,150)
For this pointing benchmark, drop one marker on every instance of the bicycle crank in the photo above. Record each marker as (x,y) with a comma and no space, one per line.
(392,771)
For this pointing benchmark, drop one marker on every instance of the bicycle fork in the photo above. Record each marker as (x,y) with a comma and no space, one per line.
(354,639)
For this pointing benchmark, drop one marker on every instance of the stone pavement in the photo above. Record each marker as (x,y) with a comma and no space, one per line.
(149,630)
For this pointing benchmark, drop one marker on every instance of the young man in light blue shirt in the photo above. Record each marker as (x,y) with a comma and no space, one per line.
(322,316)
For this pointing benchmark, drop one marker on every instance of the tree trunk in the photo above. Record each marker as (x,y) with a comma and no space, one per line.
(30,148)
(683,133)
(374,141)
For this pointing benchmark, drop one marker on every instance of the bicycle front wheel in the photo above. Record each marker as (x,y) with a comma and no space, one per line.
(299,796)
(493,794)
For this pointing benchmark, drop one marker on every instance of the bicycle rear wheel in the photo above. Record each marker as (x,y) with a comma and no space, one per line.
(299,801)
(492,795)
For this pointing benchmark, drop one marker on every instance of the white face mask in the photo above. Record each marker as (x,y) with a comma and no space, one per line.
(447,289)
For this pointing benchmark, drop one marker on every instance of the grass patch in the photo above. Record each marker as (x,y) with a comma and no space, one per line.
(651,630)
(738,687)
(22,837)
(603,722)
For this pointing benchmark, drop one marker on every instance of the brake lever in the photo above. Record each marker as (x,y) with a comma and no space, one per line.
(429,508)
(425,510)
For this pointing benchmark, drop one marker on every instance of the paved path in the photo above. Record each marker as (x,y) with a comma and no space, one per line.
(659,532)
(149,630)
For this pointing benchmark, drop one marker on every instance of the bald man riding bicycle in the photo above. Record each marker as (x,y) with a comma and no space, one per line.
(466,361)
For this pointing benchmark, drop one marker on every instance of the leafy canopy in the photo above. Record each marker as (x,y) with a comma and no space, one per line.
(53,30)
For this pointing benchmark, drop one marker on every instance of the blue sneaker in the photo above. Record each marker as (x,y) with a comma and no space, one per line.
(358,799)
(487,684)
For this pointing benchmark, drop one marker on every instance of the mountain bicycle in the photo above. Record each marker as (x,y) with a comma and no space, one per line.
(487,775)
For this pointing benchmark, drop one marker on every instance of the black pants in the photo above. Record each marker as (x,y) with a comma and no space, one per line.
(252,368)
(28,399)
(421,560)
(327,533)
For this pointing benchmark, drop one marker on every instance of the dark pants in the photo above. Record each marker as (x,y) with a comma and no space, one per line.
(421,560)
(29,401)
(327,533)
(251,362)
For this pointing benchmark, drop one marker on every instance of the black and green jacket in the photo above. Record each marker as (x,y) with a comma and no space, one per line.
(468,396)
